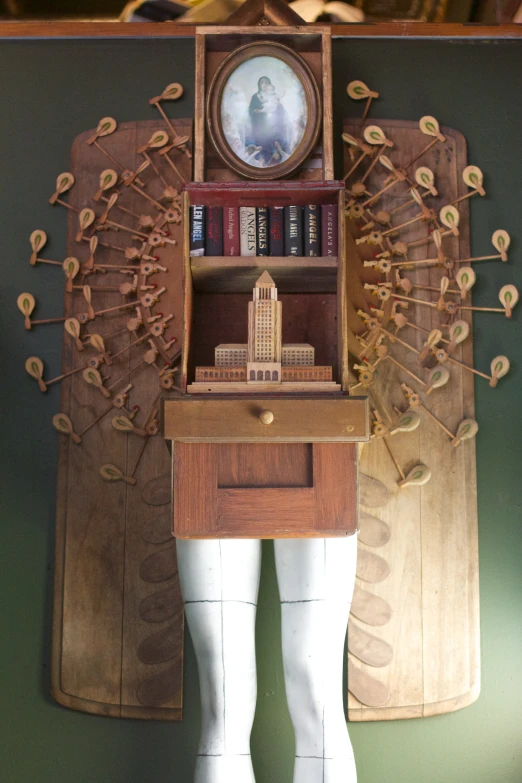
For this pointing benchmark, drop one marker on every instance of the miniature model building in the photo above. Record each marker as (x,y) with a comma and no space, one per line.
(264,360)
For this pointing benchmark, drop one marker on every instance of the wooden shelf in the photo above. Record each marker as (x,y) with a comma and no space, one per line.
(238,274)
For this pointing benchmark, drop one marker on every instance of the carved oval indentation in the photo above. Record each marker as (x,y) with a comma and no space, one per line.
(158,491)
(161,688)
(160,565)
(158,530)
(372,492)
(365,688)
(370,567)
(161,605)
(370,609)
(373,531)
(163,645)
(368,648)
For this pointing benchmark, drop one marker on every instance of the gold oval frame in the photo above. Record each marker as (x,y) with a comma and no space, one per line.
(313,99)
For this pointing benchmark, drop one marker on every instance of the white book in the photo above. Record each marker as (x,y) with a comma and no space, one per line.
(247,231)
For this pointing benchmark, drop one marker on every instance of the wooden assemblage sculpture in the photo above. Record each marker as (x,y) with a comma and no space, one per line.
(260,451)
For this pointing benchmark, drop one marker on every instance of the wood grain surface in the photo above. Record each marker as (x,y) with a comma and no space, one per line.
(432,587)
(116,586)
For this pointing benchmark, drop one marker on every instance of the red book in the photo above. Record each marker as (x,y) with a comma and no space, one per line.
(231,231)
(329,230)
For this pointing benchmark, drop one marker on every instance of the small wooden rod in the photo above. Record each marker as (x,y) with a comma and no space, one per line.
(49,321)
(106,244)
(390,452)
(437,421)
(417,301)
(410,373)
(421,153)
(65,375)
(403,225)
(418,262)
(126,228)
(118,307)
(372,164)
(174,168)
(462,198)
(167,120)
(434,288)
(409,202)
(476,258)
(429,238)
(359,160)
(96,420)
(149,198)
(47,261)
(125,375)
(470,369)
(155,168)
(128,347)
(394,338)
(140,455)
(380,192)
(478,309)
(68,206)
(117,266)
(426,331)
(108,155)
(365,114)
(108,288)
(117,205)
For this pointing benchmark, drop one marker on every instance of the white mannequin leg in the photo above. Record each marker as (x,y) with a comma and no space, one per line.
(220,582)
(316,579)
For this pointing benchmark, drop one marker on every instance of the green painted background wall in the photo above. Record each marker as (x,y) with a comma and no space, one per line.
(49,93)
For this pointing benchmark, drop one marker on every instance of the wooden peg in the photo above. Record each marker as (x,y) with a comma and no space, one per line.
(110,472)
(88,298)
(441,304)
(171,93)
(501,240)
(408,422)
(430,127)
(499,367)
(63,424)
(433,338)
(34,366)
(467,429)
(72,327)
(124,424)
(450,217)
(426,179)
(358,90)
(105,127)
(375,135)
(465,279)
(86,218)
(508,296)
(26,304)
(92,376)
(97,341)
(64,182)
(158,139)
(71,267)
(93,244)
(37,239)
(417,476)
(108,179)
(111,201)
(458,332)
(473,178)
(437,376)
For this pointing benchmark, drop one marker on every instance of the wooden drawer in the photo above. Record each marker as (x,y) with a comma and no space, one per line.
(294,419)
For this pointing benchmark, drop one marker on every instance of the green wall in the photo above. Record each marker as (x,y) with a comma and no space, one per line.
(49,93)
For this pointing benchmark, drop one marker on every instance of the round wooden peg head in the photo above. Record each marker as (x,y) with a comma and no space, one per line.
(71,267)
(26,304)
(172,92)
(468,428)
(62,423)
(349,139)
(88,298)
(433,338)
(85,218)
(358,90)
(37,239)
(34,366)
(417,476)
(110,472)
(72,327)
(408,422)
(158,139)
(499,367)
(450,217)
(92,376)
(465,279)
(474,178)
(508,296)
(501,241)
(437,376)
(64,182)
(375,135)
(108,179)
(426,179)
(266,417)
(430,127)
(105,127)
(458,332)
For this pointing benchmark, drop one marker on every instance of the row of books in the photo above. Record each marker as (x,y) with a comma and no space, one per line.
(264,231)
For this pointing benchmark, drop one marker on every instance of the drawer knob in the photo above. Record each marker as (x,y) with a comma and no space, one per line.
(266,417)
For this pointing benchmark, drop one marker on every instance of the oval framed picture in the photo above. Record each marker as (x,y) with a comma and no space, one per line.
(264,111)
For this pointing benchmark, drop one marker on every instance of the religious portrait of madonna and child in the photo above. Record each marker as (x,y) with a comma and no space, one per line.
(265,115)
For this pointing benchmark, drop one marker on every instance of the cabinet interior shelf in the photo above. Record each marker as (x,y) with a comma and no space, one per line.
(236,274)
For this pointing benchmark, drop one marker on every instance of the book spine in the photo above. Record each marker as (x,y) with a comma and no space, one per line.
(276,240)
(293,231)
(312,230)
(329,230)
(197,231)
(231,231)
(247,231)
(214,231)
(262,231)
